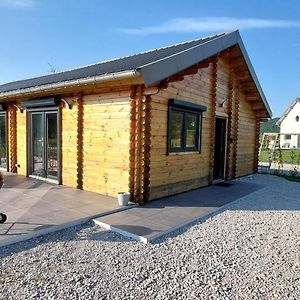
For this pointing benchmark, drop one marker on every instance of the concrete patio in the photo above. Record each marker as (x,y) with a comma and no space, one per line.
(157,218)
(35,207)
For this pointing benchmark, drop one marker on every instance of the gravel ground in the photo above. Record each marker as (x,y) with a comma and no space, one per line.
(248,250)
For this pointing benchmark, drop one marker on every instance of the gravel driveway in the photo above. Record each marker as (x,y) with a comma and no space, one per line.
(250,250)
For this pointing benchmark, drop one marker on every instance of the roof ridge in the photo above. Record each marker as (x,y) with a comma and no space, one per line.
(143,52)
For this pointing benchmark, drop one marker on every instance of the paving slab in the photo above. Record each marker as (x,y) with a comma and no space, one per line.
(35,207)
(152,220)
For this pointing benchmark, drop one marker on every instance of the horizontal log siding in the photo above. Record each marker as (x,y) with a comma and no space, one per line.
(106,143)
(106,121)
(69,145)
(177,173)
(246,139)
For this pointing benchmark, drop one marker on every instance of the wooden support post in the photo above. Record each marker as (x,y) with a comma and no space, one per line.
(228,172)
(12,133)
(256,149)
(213,96)
(80,128)
(138,161)
(147,147)
(140,144)
(132,146)
(235,127)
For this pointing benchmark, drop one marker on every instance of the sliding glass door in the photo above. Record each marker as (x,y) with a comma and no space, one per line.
(3,143)
(44,150)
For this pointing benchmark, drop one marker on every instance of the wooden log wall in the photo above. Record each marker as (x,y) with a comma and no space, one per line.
(69,143)
(106,142)
(100,145)
(246,138)
(179,172)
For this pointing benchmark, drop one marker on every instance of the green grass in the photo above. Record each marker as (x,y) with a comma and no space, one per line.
(287,156)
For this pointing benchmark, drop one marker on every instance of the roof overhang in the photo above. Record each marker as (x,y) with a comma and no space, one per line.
(163,68)
(65,85)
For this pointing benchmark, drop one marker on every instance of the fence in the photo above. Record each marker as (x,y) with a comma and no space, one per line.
(279,154)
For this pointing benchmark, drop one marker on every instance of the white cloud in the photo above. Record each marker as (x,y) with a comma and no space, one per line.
(19,3)
(210,24)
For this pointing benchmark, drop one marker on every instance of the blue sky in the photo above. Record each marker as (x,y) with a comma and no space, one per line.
(38,34)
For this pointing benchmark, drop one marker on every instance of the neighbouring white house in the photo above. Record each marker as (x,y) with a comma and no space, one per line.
(290,126)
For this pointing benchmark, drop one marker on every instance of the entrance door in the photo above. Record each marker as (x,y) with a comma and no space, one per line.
(219,154)
(3,153)
(44,144)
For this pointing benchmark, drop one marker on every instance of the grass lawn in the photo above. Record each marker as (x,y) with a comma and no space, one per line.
(287,156)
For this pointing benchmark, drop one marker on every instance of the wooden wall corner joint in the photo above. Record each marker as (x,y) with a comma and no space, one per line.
(12,149)
(213,96)
(228,172)
(256,149)
(80,129)
(140,144)
(235,128)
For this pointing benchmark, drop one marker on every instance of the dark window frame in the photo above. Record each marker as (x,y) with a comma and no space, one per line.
(45,110)
(185,108)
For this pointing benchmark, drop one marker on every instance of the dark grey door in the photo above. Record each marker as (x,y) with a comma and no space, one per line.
(44,144)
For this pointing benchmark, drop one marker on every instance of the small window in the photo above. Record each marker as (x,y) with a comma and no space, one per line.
(184,126)
(297,118)
(287,136)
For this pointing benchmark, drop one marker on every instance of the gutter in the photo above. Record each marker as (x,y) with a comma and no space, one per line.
(74,82)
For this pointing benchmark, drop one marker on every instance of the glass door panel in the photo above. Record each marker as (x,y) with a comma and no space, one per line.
(3,153)
(44,144)
(37,133)
(51,144)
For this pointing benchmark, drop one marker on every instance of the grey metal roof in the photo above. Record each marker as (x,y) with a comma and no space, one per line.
(154,65)
(112,66)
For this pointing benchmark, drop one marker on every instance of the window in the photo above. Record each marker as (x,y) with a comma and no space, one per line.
(184,126)
(297,118)
(287,136)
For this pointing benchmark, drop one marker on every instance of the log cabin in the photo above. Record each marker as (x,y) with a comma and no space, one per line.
(154,124)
